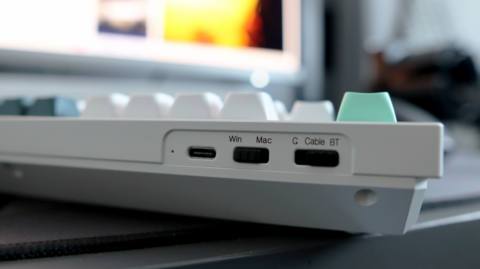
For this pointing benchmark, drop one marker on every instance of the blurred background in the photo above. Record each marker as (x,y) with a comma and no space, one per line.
(424,52)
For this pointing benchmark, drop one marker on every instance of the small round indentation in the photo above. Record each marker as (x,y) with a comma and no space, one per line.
(366,197)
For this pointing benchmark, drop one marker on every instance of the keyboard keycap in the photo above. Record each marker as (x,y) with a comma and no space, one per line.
(148,106)
(282,111)
(54,106)
(252,106)
(367,107)
(312,111)
(196,106)
(15,106)
(108,106)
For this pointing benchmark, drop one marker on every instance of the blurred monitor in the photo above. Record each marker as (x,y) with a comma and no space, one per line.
(232,35)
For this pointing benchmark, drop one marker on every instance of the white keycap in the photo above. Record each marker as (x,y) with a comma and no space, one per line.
(81,104)
(312,111)
(148,106)
(196,106)
(281,110)
(106,106)
(254,106)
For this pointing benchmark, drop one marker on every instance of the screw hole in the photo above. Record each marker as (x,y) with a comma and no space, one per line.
(366,197)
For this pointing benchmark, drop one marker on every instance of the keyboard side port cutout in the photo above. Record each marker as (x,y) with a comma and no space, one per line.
(280,152)
(202,152)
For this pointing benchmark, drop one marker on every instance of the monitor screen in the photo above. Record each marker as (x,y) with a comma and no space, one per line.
(232,34)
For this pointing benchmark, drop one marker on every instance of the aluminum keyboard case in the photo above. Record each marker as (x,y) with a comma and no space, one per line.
(378,186)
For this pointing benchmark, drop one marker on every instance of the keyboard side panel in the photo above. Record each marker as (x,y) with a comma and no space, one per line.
(284,203)
(413,150)
(75,138)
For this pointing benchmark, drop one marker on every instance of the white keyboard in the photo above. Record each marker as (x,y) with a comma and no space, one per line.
(241,158)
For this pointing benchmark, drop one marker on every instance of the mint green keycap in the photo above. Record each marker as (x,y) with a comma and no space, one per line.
(367,107)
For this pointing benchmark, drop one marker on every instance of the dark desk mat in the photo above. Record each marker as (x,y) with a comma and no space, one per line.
(33,229)
(36,229)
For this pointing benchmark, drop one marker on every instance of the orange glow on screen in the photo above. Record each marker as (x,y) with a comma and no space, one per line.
(232,23)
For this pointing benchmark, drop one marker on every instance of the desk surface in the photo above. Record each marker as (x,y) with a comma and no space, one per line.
(461,179)
(448,246)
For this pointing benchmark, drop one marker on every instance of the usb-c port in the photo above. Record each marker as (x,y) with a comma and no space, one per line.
(202,152)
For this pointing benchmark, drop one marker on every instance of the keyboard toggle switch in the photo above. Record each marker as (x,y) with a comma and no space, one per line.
(314,157)
(250,155)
